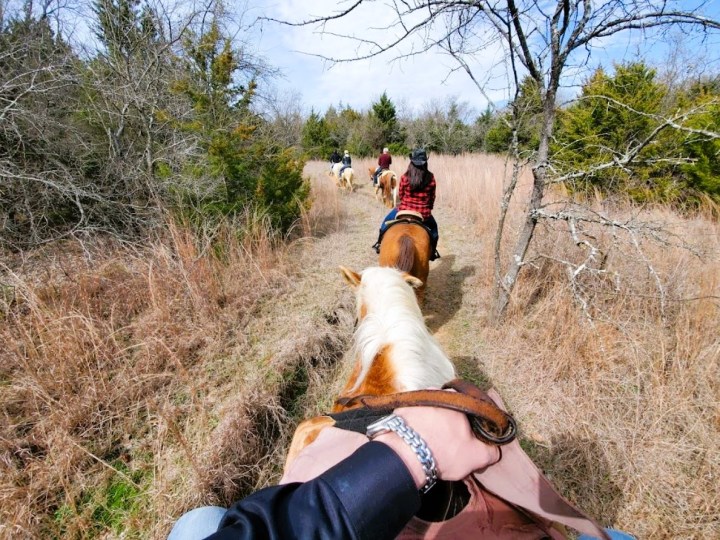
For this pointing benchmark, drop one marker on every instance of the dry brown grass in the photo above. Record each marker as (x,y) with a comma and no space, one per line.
(624,412)
(115,368)
(139,382)
(327,212)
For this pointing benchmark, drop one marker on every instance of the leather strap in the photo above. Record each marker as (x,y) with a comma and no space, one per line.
(488,422)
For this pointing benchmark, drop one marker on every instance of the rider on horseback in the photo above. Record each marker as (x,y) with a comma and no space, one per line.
(346,162)
(335,157)
(384,162)
(417,194)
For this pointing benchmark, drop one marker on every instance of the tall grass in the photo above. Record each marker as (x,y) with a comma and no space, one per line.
(619,401)
(111,361)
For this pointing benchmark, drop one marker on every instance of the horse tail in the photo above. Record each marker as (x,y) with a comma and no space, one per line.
(406,254)
(387,189)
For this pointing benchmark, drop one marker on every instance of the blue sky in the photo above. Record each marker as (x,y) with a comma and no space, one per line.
(412,84)
(415,83)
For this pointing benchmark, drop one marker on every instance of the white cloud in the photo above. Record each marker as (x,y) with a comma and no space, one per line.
(413,82)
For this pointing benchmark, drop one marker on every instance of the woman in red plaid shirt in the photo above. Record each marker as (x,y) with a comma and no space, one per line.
(416,193)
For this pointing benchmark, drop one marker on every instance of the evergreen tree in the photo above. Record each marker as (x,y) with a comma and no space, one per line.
(480,131)
(316,139)
(524,113)
(614,115)
(390,132)
(252,171)
(120,28)
(703,175)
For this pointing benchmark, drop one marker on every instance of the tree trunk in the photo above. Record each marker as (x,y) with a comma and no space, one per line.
(507,284)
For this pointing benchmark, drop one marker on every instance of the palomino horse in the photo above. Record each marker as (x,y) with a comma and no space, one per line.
(393,350)
(344,180)
(406,246)
(386,187)
(395,359)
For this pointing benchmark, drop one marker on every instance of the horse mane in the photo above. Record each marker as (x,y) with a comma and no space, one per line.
(406,254)
(394,323)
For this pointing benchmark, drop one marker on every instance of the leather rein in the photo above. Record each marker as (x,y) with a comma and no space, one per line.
(489,423)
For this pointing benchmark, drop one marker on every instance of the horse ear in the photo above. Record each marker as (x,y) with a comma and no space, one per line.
(352,277)
(414,282)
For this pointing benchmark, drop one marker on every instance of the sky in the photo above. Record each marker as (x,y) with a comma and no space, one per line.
(416,83)
(413,84)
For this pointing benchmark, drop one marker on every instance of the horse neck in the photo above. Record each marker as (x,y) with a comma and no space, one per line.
(397,338)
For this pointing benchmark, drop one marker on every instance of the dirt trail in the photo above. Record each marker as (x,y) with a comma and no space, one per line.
(451,309)
(299,336)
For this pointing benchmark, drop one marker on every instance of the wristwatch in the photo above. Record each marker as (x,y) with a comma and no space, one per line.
(396,424)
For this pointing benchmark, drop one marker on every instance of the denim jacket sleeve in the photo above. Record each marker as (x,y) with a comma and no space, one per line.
(369,495)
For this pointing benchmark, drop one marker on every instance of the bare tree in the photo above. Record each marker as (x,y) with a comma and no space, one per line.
(40,151)
(541,41)
(284,117)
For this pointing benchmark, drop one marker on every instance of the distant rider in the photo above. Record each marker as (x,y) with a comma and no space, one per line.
(335,157)
(417,193)
(346,162)
(384,162)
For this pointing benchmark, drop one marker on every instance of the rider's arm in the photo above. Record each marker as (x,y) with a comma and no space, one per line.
(370,495)
(431,193)
(403,188)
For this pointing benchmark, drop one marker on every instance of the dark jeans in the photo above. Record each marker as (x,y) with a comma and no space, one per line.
(375,176)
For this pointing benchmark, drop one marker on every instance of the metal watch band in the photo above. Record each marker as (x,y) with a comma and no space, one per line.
(411,437)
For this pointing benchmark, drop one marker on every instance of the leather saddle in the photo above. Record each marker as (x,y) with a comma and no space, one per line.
(406,216)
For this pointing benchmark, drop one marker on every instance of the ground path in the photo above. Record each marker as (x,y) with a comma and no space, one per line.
(452,304)
(576,407)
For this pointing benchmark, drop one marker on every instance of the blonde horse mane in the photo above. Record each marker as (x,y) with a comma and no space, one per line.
(391,320)
(393,351)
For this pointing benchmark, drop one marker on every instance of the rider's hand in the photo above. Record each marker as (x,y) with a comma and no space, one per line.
(458,453)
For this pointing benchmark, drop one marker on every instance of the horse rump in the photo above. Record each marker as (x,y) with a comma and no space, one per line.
(406,254)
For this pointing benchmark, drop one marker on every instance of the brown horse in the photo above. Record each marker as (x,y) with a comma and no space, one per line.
(406,246)
(386,187)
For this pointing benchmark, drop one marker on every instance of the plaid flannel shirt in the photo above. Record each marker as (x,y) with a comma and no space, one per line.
(418,201)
